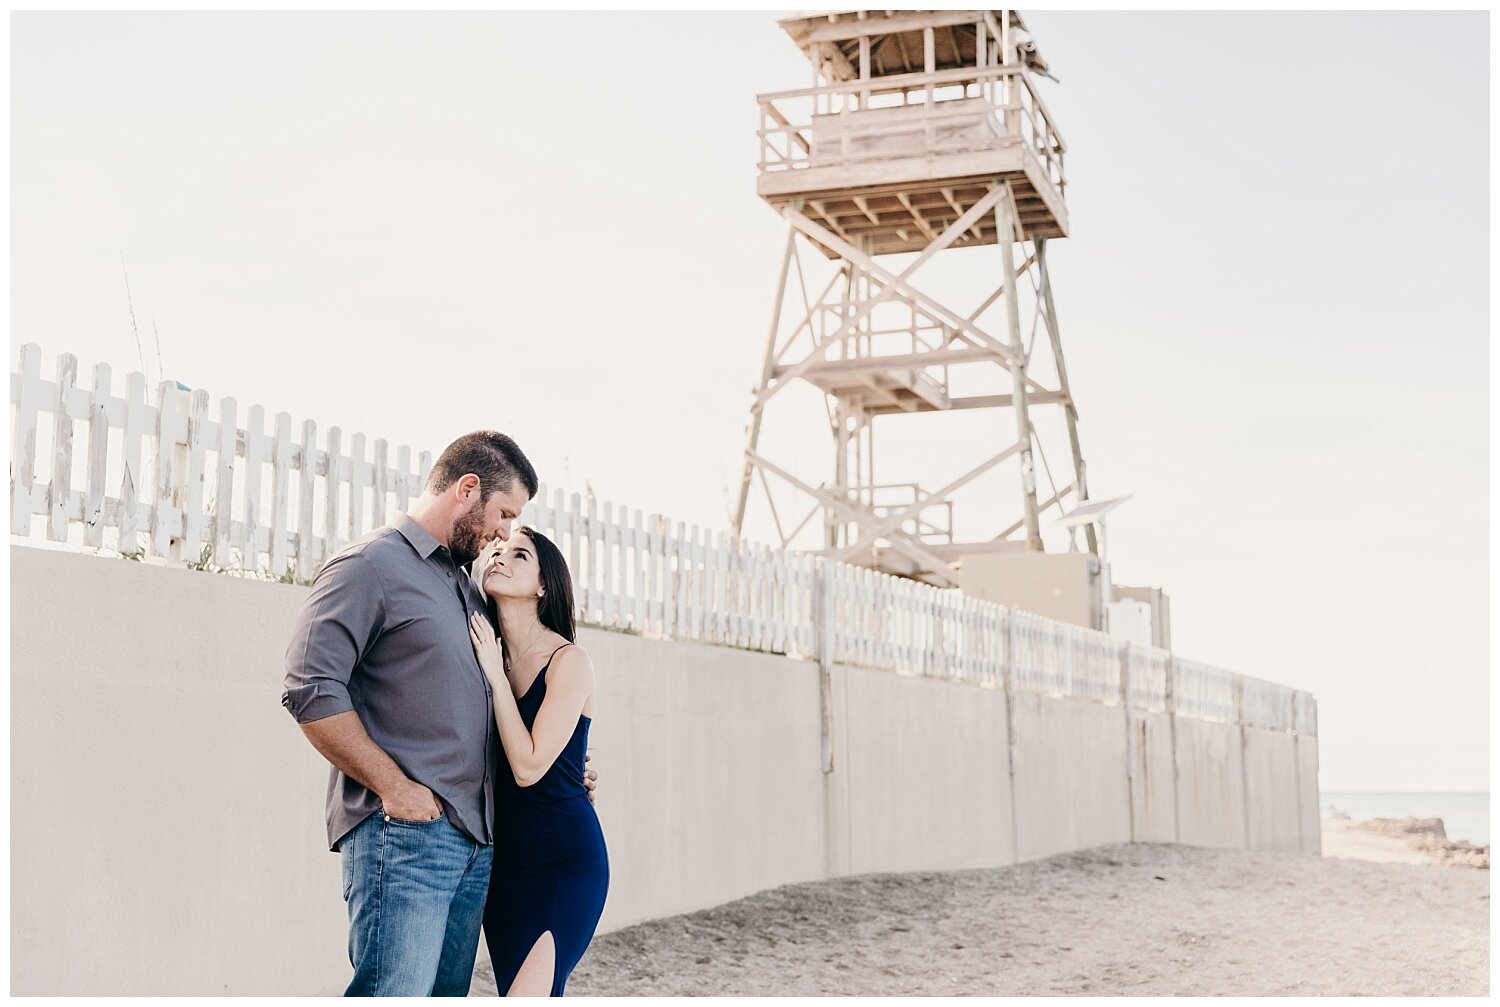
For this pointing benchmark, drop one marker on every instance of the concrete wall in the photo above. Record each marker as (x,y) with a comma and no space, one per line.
(1211,784)
(166,813)
(926,790)
(1271,781)
(1071,787)
(1309,814)
(710,764)
(1153,804)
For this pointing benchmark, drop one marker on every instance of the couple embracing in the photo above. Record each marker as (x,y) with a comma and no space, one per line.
(458,797)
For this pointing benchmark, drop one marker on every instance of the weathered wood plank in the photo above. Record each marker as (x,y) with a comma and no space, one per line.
(163,515)
(653,573)
(588,602)
(683,558)
(761,596)
(23,439)
(62,449)
(198,434)
(381,481)
(535,513)
(333,482)
(750,594)
(359,478)
(703,589)
(811,594)
(575,545)
(638,567)
(281,486)
(223,520)
(98,459)
(424,469)
(669,579)
(740,623)
(132,478)
(609,588)
(307,482)
(255,459)
(405,479)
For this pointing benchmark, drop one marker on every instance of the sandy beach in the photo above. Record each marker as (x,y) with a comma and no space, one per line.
(1136,919)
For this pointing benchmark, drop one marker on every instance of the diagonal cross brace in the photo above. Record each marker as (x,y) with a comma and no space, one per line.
(899,542)
(1040,508)
(929,304)
(953,232)
(868,535)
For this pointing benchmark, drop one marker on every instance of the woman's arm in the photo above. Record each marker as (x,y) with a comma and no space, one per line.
(570,682)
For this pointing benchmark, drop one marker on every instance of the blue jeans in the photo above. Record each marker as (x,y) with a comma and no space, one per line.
(416,894)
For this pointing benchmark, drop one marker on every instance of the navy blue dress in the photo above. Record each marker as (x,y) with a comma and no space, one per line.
(550,871)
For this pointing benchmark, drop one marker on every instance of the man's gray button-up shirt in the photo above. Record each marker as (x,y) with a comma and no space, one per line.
(385,632)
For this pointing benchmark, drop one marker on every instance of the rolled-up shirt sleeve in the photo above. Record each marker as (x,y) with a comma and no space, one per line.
(339,621)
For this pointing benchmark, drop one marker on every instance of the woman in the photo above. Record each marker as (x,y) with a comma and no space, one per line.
(550,872)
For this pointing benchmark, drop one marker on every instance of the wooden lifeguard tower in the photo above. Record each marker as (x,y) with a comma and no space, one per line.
(922,132)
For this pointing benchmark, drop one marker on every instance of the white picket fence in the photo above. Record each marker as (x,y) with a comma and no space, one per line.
(207,494)
(179,480)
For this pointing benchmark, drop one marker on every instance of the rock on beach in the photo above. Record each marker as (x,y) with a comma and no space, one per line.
(1399,841)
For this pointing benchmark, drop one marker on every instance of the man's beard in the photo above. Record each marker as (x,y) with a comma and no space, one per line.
(467,540)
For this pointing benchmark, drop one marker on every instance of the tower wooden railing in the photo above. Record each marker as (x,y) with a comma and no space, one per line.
(947,111)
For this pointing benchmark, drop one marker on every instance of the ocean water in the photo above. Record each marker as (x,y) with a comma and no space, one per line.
(1464,815)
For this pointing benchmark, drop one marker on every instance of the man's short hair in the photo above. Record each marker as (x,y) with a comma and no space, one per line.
(496,459)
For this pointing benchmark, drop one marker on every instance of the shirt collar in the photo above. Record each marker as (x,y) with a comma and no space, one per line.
(420,538)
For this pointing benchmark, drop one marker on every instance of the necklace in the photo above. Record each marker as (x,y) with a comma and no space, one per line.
(526,652)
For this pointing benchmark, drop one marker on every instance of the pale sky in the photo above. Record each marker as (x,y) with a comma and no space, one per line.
(1273,301)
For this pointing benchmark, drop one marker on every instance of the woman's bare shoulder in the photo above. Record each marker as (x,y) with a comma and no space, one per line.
(573,661)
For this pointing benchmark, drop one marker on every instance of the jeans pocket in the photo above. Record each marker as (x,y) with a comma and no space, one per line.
(393,820)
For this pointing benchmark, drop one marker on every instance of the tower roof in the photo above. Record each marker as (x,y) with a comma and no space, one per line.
(895,37)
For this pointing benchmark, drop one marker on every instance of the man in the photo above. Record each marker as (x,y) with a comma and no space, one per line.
(383,680)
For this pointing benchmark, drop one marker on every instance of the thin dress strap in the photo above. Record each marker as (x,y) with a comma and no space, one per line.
(554,654)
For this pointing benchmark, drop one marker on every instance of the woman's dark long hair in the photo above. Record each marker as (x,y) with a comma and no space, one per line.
(555,607)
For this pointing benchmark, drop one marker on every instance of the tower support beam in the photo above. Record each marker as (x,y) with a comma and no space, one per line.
(1049,318)
(1005,228)
(752,434)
